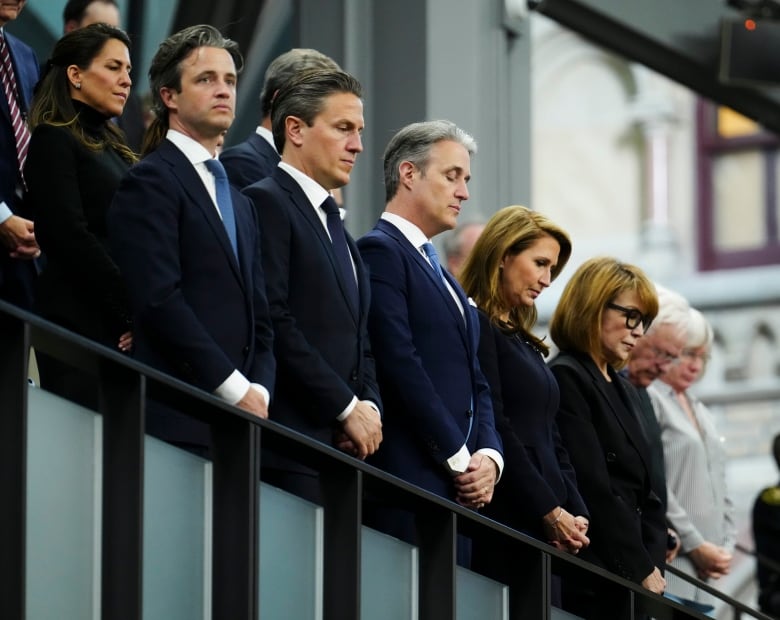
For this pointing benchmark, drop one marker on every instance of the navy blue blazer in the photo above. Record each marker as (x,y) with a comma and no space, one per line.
(321,345)
(603,435)
(17,277)
(199,313)
(436,398)
(249,161)
(538,475)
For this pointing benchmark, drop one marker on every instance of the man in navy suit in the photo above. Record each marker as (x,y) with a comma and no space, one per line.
(256,157)
(317,285)
(17,271)
(439,426)
(194,277)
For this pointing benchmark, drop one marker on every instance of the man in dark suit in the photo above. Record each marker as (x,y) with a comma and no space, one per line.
(439,427)
(80,13)
(18,76)
(316,283)
(187,243)
(256,157)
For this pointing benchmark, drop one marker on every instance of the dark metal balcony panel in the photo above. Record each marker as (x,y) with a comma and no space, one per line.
(122,396)
(15,339)
(235,449)
(437,529)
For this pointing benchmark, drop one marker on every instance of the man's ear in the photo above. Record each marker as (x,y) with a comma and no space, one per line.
(294,128)
(407,171)
(169,96)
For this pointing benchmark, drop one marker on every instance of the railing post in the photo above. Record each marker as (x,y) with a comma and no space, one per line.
(438,543)
(14,359)
(122,396)
(235,448)
(530,591)
(342,494)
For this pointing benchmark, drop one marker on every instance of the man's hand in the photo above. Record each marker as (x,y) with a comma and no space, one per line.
(672,553)
(254,402)
(18,235)
(654,582)
(474,487)
(711,561)
(363,430)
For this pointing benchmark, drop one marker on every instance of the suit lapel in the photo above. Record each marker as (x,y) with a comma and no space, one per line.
(629,422)
(433,277)
(302,205)
(193,186)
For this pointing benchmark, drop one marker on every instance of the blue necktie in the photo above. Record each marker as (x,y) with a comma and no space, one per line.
(430,252)
(341,249)
(224,202)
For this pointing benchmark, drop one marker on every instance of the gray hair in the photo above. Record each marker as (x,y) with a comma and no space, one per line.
(699,332)
(413,144)
(286,66)
(672,310)
(453,242)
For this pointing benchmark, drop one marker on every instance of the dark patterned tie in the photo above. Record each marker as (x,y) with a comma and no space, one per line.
(11,92)
(224,202)
(341,249)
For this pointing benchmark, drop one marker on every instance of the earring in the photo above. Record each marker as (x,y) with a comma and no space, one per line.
(78,85)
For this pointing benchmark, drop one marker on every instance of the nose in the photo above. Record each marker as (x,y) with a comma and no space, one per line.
(126,79)
(639,330)
(546,277)
(355,144)
(462,191)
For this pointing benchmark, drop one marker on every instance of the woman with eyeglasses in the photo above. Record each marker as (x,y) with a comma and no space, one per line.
(604,310)
(695,461)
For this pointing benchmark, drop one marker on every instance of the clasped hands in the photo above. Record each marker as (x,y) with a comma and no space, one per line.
(18,236)
(565,531)
(474,487)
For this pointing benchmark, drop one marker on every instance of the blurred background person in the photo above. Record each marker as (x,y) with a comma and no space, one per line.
(766,533)
(77,157)
(518,255)
(80,13)
(603,312)
(699,508)
(458,244)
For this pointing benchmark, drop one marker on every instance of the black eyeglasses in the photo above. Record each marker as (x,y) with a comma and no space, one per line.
(633,316)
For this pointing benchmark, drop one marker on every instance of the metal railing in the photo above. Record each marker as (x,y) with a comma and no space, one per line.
(237,440)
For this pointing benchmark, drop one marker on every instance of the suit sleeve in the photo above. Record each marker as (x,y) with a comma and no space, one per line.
(263,369)
(401,366)
(301,361)
(616,528)
(144,234)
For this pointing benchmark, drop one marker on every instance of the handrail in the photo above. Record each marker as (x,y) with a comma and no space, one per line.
(237,440)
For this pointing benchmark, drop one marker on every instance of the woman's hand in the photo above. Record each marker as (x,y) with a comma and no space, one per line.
(126,342)
(565,531)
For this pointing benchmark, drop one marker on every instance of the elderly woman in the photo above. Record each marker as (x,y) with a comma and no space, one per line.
(76,158)
(699,508)
(603,311)
(517,256)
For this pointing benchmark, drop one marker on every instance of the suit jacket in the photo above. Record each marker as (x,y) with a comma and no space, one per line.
(249,161)
(600,428)
(16,276)
(199,313)
(321,346)
(537,473)
(436,398)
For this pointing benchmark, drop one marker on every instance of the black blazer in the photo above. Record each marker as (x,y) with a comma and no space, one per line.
(612,459)
(199,313)
(249,161)
(321,346)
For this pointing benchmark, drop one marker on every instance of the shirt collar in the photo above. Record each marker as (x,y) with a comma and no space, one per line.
(194,151)
(412,233)
(313,190)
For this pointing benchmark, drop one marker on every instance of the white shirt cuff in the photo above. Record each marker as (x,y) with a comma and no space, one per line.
(345,414)
(264,392)
(233,388)
(495,455)
(459,462)
(5,212)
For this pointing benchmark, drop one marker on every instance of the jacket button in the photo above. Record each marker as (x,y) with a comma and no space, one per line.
(611,457)
(246,350)
(354,375)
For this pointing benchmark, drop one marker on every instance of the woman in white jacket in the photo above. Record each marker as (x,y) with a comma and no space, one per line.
(699,507)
